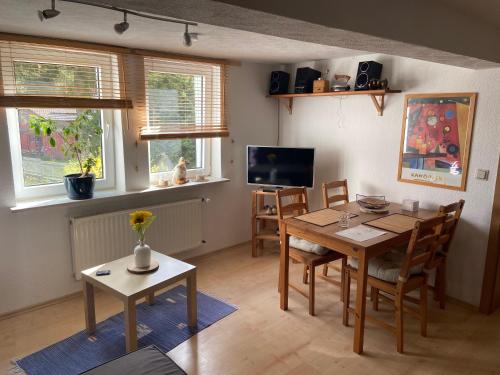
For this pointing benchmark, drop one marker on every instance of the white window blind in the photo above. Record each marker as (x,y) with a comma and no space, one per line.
(33,75)
(183,99)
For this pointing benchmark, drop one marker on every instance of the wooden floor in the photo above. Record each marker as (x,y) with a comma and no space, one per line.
(261,339)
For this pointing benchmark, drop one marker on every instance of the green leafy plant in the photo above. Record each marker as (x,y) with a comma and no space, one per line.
(80,138)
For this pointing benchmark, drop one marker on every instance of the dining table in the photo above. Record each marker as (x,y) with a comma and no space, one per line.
(327,237)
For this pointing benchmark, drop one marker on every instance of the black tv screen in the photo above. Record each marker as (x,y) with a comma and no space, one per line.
(280,166)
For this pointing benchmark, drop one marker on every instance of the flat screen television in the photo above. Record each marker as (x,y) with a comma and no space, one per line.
(280,166)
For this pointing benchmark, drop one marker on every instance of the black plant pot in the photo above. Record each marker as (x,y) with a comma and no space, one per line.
(78,186)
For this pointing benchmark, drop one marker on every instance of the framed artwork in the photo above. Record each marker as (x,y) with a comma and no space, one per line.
(435,139)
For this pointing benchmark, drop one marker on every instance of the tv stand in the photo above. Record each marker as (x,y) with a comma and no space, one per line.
(264,225)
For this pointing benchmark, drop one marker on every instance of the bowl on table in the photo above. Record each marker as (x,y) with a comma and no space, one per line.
(372,203)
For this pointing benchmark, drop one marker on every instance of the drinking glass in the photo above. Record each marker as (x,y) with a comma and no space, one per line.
(344,220)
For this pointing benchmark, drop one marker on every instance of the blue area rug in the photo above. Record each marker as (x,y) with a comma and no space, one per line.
(163,324)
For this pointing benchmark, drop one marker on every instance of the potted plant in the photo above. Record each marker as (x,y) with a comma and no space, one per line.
(78,140)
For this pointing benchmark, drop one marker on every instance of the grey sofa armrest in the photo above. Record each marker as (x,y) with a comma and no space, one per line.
(149,360)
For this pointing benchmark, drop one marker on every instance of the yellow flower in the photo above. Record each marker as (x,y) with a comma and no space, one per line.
(139,217)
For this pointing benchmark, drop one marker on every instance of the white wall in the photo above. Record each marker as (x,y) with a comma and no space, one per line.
(353,142)
(35,255)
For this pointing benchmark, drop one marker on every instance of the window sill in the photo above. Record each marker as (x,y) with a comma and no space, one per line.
(104,195)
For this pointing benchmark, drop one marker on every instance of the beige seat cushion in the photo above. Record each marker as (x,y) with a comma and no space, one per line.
(387,266)
(305,245)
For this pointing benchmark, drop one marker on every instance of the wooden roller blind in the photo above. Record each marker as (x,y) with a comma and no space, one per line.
(33,75)
(171,96)
(183,99)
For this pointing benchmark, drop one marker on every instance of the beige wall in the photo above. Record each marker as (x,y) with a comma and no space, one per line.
(35,254)
(353,142)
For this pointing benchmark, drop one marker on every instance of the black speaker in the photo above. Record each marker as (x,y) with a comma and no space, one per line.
(279,83)
(304,80)
(367,70)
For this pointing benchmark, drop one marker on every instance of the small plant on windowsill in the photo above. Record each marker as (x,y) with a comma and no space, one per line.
(80,140)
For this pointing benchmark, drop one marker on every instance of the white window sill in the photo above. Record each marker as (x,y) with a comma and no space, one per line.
(99,196)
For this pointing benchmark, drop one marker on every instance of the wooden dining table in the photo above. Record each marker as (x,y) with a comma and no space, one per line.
(326,236)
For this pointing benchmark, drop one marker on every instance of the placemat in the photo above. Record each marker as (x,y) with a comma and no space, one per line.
(396,223)
(360,233)
(323,217)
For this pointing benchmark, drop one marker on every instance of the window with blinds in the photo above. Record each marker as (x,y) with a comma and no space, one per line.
(183,99)
(42,76)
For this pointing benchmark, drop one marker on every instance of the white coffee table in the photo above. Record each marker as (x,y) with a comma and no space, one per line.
(130,287)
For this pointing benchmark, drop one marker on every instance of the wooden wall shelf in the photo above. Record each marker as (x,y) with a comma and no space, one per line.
(377,97)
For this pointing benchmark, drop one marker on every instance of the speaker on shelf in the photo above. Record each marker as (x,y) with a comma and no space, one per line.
(367,70)
(279,83)
(304,80)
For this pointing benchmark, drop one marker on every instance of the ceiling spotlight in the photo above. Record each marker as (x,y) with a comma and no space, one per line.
(48,13)
(121,27)
(187,37)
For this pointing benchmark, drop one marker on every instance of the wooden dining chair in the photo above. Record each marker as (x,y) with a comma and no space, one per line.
(452,212)
(335,192)
(395,274)
(293,202)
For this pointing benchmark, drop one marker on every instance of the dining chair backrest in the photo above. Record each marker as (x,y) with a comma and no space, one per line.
(292,202)
(342,197)
(425,239)
(452,212)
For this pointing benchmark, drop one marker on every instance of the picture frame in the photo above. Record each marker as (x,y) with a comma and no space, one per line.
(435,139)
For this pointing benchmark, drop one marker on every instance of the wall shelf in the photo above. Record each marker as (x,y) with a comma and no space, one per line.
(377,97)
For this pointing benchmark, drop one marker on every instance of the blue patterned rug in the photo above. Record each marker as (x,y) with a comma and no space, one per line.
(163,324)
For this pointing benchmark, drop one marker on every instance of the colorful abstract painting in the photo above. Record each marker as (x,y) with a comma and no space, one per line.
(435,140)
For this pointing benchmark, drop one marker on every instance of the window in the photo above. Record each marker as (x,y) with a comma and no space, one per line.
(38,167)
(38,162)
(176,106)
(177,97)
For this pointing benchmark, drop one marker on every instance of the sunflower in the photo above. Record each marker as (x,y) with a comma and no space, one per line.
(139,217)
(140,221)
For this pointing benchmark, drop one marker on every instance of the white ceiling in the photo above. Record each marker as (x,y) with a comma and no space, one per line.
(85,23)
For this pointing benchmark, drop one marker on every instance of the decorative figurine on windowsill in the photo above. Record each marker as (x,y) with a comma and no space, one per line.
(180,173)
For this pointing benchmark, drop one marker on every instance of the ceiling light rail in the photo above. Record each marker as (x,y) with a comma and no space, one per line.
(123,26)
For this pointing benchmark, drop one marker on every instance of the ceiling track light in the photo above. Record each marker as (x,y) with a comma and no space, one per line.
(187,37)
(48,13)
(121,27)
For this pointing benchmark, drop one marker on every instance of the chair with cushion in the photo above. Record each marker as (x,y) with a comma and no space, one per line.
(395,274)
(292,202)
(453,212)
(335,192)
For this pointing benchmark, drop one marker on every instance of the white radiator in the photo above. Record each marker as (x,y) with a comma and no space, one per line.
(102,238)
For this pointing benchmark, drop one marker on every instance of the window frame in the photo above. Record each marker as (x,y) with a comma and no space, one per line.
(28,192)
(205,144)
(58,56)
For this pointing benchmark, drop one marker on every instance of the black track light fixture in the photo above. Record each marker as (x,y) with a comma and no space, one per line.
(48,13)
(188,42)
(121,27)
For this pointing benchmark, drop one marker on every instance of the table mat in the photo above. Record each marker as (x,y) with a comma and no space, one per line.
(396,223)
(360,233)
(323,217)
